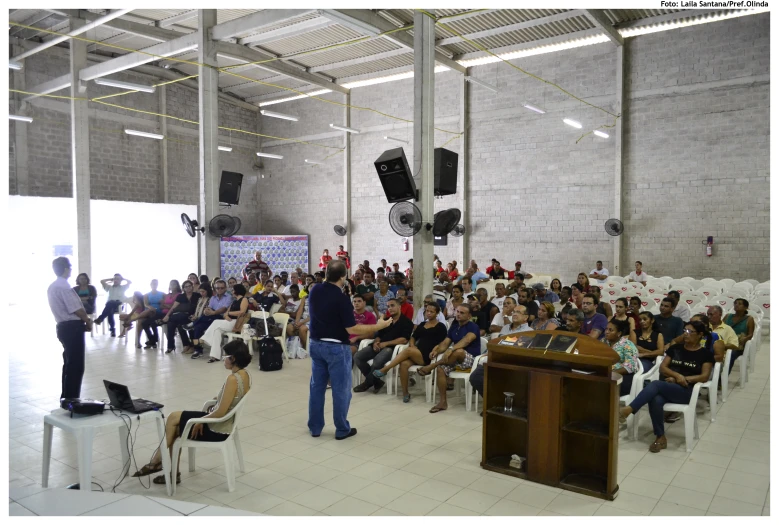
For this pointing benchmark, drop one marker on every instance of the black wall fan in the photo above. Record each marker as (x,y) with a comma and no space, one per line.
(458,231)
(614,227)
(224,226)
(191,225)
(405,219)
(445,221)
(339,230)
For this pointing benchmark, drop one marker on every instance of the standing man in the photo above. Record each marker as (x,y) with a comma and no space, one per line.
(72,323)
(255,265)
(115,299)
(332,322)
(600,273)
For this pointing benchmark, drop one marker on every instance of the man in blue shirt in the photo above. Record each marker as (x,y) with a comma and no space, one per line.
(217,306)
(475,277)
(332,322)
(463,335)
(544,296)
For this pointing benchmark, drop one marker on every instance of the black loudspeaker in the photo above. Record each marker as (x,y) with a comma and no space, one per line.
(445,172)
(230,187)
(395,176)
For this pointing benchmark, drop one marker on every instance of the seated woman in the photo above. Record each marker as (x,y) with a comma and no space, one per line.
(584,282)
(454,301)
(194,279)
(86,292)
(427,336)
(205,293)
(179,316)
(743,324)
(139,311)
(621,314)
(235,387)
(300,325)
(213,336)
(616,336)
(151,323)
(684,365)
(649,341)
(577,294)
(546,319)
(230,283)
(556,286)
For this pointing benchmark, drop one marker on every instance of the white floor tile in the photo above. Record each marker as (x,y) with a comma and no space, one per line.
(412,504)
(349,506)
(318,498)
(730,507)
(687,497)
(14,509)
(378,493)
(134,506)
(473,500)
(700,484)
(64,502)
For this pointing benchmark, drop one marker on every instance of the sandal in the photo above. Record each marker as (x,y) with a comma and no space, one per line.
(160,480)
(407,398)
(657,446)
(435,410)
(148,469)
(421,372)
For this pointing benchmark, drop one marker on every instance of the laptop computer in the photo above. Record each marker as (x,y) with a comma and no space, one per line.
(120,398)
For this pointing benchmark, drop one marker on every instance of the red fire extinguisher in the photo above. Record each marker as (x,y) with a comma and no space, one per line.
(709,243)
(404,244)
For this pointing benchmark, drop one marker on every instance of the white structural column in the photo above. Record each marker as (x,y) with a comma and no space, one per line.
(20,133)
(348,175)
(424,135)
(619,109)
(164,195)
(465,107)
(208,248)
(79,144)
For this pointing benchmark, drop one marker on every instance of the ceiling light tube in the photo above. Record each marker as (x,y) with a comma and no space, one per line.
(344,128)
(601,134)
(533,108)
(144,134)
(573,123)
(269,155)
(14,65)
(20,118)
(482,84)
(312,162)
(124,85)
(273,114)
(225,148)
(396,140)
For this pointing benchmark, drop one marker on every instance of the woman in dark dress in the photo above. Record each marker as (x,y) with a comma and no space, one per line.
(649,341)
(427,336)
(86,292)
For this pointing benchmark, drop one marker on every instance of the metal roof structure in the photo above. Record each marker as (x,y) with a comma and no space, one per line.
(315,49)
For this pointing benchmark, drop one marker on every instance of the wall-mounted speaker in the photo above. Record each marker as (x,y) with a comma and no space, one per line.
(445,172)
(230,187)
(395,177)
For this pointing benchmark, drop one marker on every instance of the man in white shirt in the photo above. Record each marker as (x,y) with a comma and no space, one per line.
(600,273)
(682,311)
(638,276)
(420,315)
(500,295)
(503,317)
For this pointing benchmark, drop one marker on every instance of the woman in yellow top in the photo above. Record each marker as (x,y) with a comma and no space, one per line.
(237,384)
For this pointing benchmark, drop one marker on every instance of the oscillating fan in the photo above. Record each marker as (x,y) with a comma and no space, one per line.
(614,227)
(405,219)
(445,221)
(339,230)
(191,225)
(458,231)
(223,226)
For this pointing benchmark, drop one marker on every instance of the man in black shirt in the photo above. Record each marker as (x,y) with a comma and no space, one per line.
(267,297)
(671,327)
(495,271)
(478,317)
(485,306)
(332,322)
(532,307)
(398,333)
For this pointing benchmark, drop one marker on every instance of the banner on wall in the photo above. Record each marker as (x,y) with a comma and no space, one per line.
(281,252)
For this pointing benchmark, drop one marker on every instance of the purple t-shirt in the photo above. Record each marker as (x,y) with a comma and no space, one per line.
(596,322)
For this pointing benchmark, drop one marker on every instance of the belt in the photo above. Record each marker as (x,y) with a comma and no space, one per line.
(328,340)
(70,321)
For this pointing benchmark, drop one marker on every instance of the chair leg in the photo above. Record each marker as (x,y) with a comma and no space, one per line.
(713,399)
(174,467)
(238,451)
(429,388)
(227,453)
(743,371)
(725,385)
(191,451)
(468,396)
(390,382)
(689,424)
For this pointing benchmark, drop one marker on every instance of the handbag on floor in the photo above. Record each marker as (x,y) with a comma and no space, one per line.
(270,352)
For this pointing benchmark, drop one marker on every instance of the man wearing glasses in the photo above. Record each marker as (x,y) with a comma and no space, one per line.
(217,306)
(594,323)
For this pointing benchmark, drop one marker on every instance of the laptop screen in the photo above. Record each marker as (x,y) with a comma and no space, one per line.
(118,394)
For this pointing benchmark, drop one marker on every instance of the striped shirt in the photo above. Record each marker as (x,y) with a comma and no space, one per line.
(63,301)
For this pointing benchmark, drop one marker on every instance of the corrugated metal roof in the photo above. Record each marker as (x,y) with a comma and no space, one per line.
(618,16)
(373,67)
(339,54)
(285,23)
(334,34)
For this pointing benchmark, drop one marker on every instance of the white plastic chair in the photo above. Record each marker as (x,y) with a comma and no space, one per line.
(413,368)
(727,283)
(465,376)
(709,291)
(695,284)
(708,280)
(468,388)
(635,388)
(692,298)
(356,374)
(743,361)
(681,287)
(711,384)
(230,446)
(688,413)
(657,288)
(686,279)
(724,301)
(753,282)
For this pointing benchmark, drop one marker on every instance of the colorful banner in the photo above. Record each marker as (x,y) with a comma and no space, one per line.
(281,252)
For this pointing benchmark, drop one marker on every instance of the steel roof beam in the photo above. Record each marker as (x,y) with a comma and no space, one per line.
(600,20)
(255,21)
(513,27)
(287,31)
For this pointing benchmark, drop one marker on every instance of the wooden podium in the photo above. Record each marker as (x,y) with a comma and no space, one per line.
(565,423)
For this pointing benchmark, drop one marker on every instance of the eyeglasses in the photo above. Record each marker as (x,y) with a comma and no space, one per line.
(687,331)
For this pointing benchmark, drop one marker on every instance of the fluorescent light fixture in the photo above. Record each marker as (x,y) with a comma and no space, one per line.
(273,114)
(601,134)
(14,65)
(296,97)
(573,123)
(124,85)
(144,134)
(20,118)
(481,83)
(344,128)
(538,50)
(225,148)
(269,155)
(312,162)
(533,108)
(704,18)
(396,140)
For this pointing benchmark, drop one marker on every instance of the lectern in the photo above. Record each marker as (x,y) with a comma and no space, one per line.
(564,418)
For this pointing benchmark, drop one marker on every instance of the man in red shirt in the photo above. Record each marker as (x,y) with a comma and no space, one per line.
(256,265)
(405,308)
(361,316)
(366,268)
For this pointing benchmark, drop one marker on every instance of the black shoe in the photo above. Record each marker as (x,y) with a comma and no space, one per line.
(213,360)
(360,388)
(673,417)
(148,345)
(351,433)
(377,385)
(113,333)
(196,355)
(169,350)
(99,320)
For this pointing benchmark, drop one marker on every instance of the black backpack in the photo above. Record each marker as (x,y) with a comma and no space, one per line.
(270,354)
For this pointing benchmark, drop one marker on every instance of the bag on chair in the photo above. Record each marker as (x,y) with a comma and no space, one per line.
(267,326)
(270,352)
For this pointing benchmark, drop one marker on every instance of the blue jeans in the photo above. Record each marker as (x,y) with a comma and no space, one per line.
(331,361)
(657,394)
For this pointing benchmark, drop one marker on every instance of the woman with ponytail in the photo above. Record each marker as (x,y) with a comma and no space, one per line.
(684,365)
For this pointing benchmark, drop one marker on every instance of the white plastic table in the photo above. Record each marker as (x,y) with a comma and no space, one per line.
(84,429)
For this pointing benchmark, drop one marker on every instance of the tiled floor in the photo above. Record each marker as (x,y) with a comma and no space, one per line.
(403,460)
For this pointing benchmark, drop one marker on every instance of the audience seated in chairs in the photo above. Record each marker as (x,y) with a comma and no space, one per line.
(574,320)
(424,339)
(577,294)
(683,366)
(86,292)
(230,283)
(180,315)
(726,334)
(546,319)
(382,298)
(649,341)
(717,347)
(526,299)
(682,311)
(503,318)
(237,384)
(742,324)
(500,296)
(542,295)
(361,316)
(380,351)
(138,311)
(150,323)
(454,301)
(214,333)
(565,303)
(463,335)
(405,307)
(193,278)
(116,297)
(517,284)
(634,309)
(266,299)
(584,282)
(217,306)
(617,338)
(666,323)
(518,322)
